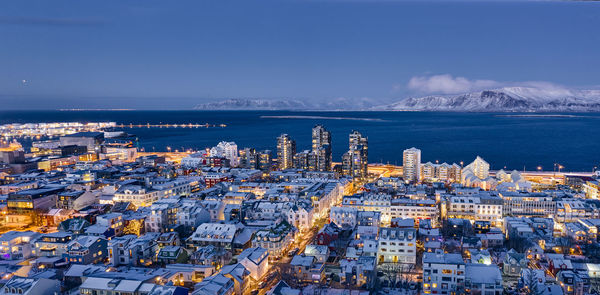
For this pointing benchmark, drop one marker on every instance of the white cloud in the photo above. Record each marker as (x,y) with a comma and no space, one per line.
(447,84)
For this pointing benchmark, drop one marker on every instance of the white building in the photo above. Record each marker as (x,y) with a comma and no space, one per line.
(15,245)
(53,244)
(397,245)
(214,234)
(228,150)
(527,204)
(28,286)
(256,261)
(479,207)
(411,165)
(483,279)
(414,209)
(300,215)
(343,216)
(371,202)
(479,167)
(144,196)
(443,273)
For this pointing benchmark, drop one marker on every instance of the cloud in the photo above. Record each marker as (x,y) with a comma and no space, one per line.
(447,84)
(49,21)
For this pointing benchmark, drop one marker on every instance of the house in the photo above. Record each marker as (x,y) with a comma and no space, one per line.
(211,255)
(133,250)
(514,262)
(256,261)
(483,279)
(276,239)
(215,285)
(573,283)
(112,220)
(306,269)
(329,233)
(113,286)
(480,256)
(75,225)
(76,200)
(321,252)
(30,286)
(239,275)
(172,254)
(168,239)
(77,273)
(282,288)
(361,272)
(187,275)
(15,245)
(216,234)
(53,244)
(443,273)
(86,250)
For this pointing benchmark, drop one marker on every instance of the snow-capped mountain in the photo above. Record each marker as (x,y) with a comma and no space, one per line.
(288,104)
(508,99)
(253,104)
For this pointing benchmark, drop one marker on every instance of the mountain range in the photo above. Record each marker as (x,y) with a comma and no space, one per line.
(507,99)
(336,104)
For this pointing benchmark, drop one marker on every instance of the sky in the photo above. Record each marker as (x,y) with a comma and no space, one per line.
(177,54)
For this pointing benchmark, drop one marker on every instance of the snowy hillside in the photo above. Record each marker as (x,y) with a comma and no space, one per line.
(508,99)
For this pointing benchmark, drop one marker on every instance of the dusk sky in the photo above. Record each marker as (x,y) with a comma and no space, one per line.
(176,54)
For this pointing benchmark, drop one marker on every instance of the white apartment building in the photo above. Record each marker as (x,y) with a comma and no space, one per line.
(443,273)
(228,150)
(411,165)
(397,245)
(193,161)
(371,202)
(572,209)
(476,208)
(527,204)
(143,196)
(440,172)
(415,209)
(300,215)
(479,167)
(343,216)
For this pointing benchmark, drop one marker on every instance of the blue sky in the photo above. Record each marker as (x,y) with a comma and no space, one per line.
(176,54)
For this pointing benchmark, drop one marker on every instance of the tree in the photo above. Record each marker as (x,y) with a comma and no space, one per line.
(531,284)
(396,273)
(519,244)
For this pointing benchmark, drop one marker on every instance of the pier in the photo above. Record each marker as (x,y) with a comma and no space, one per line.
(188,125)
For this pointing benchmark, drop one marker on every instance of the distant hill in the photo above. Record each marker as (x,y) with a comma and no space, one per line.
(508,99)
(337,104)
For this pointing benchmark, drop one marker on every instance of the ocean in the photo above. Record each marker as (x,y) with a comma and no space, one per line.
(511,141)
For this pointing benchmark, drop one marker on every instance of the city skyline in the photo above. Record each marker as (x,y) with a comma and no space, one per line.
(290,147)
